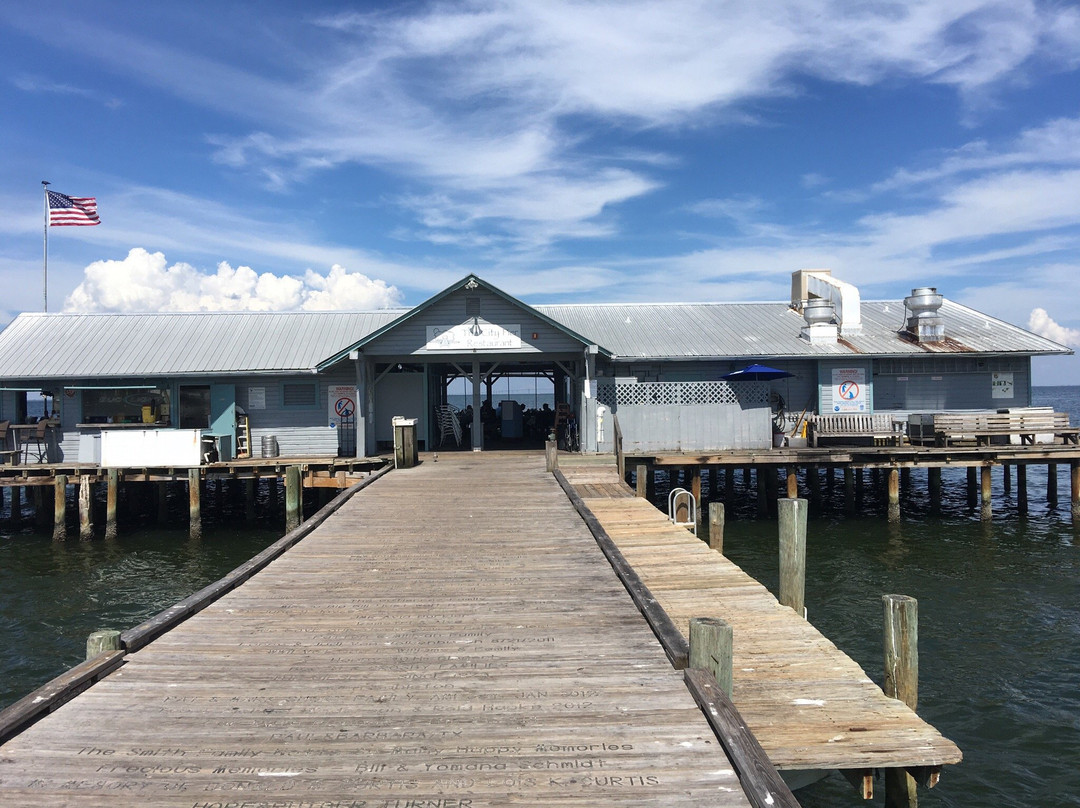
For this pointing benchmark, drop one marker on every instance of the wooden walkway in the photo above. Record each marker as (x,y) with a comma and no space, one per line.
(809,705)
(451,637)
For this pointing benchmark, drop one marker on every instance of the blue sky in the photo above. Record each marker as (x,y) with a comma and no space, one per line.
(334,155)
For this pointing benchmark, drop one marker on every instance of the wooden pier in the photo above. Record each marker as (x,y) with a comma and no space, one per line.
(451,636)
(809,705)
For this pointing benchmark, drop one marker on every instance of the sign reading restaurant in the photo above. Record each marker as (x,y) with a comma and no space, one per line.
(474,335)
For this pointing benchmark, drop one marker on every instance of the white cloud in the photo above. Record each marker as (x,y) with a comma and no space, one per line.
(143,281)
(1043,324)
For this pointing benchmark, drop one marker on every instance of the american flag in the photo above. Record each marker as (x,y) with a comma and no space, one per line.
(72,210)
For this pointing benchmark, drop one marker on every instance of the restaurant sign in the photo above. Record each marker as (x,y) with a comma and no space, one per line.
(473,335)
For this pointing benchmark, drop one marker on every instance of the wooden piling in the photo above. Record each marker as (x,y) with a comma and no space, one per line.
(933,482)
(194,504)
(249,500)
(792,482)
(1006,478)
(1074,489)
(1021,488)
(641,478)
(893,480)
(101,641)
(716,526)
(41,513)
(711,649)
(813,482)
(791,519)
(762,492)
(1051,484)
(901,682)
(111,496)
(972,488)
(162,494)
(729,485)
(551,455)
(293,499)
(86,519)
(15,513)
(746,477)
(849,489)
(60,507)
(986,512)
(695,489)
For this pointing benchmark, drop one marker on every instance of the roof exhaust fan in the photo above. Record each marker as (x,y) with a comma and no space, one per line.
(925,323)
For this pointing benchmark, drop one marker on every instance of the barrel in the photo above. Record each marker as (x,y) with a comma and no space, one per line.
(269,446)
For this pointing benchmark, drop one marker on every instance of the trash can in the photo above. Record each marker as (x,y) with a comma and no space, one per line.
(404,442)
(269,446)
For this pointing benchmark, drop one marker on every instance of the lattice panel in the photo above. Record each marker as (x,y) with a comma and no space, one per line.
(661,394)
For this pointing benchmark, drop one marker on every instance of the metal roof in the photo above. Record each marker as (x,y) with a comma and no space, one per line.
(43,346)
(735,330)
(75,346)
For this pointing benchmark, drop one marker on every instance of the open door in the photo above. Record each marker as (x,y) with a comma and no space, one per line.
(223,419)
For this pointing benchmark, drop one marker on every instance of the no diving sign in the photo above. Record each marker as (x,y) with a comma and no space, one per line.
(849,390)
(342,400)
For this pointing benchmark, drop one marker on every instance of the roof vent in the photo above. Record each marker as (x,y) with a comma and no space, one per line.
(925,323)
(819,314)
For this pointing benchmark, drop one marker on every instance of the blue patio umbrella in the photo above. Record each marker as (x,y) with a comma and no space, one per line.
(756,373)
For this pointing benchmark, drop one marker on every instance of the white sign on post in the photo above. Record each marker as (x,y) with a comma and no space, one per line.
(849,389)
(342,402)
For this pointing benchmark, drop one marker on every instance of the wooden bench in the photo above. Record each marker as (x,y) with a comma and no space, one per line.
(854,426)
(983,427)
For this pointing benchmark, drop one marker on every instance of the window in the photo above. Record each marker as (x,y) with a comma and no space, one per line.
(299,395)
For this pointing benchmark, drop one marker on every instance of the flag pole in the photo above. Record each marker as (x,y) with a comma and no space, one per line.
(45,265)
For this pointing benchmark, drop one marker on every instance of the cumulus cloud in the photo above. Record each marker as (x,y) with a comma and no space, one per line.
(144,281)
(1044,325)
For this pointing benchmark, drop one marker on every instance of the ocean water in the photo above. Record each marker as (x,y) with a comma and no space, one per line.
(999,612)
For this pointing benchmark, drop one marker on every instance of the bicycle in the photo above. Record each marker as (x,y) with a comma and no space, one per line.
(571,440)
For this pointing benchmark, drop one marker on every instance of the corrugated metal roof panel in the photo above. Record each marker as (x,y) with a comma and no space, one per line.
(88,345)
(173,344)
(701,330)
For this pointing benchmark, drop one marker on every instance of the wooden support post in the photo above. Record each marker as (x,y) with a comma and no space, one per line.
(1006,478)
(905,478)
(41,513)
(849,489)
(729,484)
(860,484)
(746,477)
(194,503)
(711,649)
(901,682)
(1021,488)
(933,482)
(894,494)
(792,482)
(101,641)
(60,507)
(986,512)
(86,520)
(813,482)
(762,492)
(293,499)
(111,496)
(695,489)
(1074,479)
(1051,484)
(791,518)
(162,490)
(551,455)
(830,478)
(249,500)
(972,489)
(716,526)
(16,503)
(641,483)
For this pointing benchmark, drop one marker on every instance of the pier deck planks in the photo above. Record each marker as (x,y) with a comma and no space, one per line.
(451,637)
(808,704)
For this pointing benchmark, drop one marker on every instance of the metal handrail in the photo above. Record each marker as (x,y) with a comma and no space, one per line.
(676,497)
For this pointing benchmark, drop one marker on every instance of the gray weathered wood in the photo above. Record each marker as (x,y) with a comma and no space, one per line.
(293,499)
(893,481)
(986,511)
(641,481)
(194,503)
(791,518)
(86,524)
(711,649)
(716,526)
(901,682)
(102,641)
(60,507)
(551,454)
(761,782)
(112,495)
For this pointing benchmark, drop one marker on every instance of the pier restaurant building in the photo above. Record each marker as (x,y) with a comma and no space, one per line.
(183,388)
